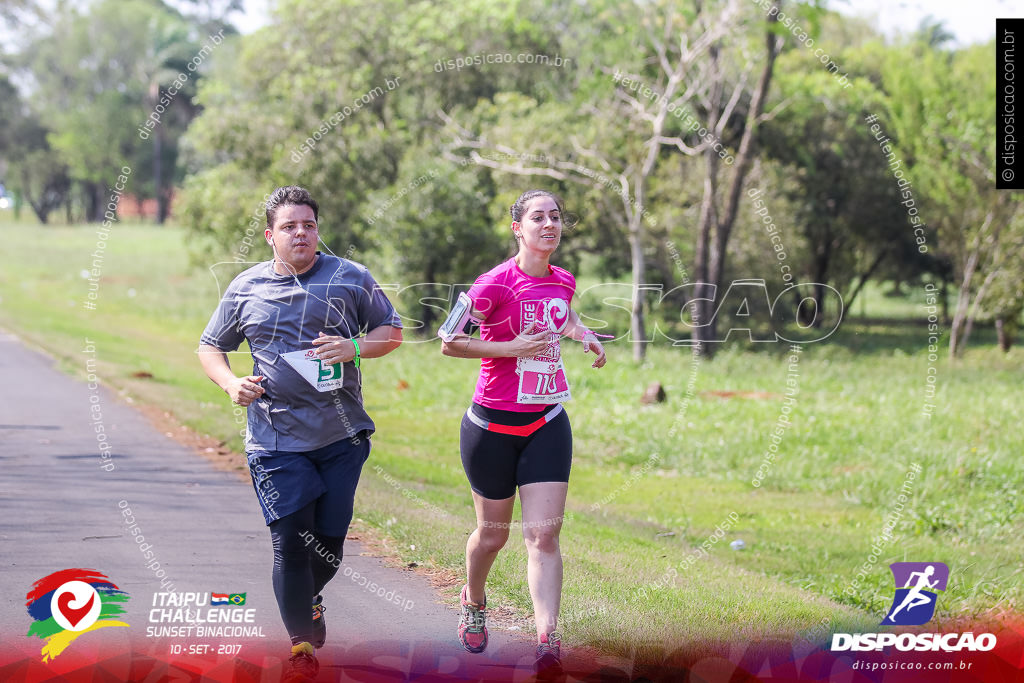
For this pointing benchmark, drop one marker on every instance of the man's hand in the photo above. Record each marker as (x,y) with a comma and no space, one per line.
(244,390)
(334,349)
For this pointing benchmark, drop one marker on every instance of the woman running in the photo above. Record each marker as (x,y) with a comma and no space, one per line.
(516,433)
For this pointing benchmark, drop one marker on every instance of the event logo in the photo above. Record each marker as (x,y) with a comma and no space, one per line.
(68,603)
(556,314)
(916,583)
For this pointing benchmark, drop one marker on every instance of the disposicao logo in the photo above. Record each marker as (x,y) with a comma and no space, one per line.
(913,605)
(916,583)
(68,603)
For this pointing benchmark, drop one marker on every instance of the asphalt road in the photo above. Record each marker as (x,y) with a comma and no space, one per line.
(60,508)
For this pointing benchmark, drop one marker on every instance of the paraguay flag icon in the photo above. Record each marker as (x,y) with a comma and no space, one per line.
(916,586)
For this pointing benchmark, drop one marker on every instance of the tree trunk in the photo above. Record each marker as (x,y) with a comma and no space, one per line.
(962,303)
(704,292)
(822,262)
(963,319)
(712,261)
(158,175)
(40,211)
(94,202)
(637,327)
(164,205)
(945,300)
(711,235)
(863,280)
(1005,340)
(38,206)
(976,306)
(819,305)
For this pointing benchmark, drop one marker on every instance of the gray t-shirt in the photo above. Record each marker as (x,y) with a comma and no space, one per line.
(282,313)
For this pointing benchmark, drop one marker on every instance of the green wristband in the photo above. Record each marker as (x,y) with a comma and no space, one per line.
(356,358)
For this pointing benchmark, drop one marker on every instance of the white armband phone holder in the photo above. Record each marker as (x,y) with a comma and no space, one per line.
(460,315)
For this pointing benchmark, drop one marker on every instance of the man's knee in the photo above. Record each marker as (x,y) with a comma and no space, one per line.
(292,534)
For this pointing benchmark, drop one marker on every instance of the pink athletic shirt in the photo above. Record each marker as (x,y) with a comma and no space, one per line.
(509,300)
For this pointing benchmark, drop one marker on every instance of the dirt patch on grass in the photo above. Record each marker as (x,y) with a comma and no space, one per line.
(212,449)
(739,394)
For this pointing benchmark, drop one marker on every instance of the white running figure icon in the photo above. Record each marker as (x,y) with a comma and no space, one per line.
(914,597)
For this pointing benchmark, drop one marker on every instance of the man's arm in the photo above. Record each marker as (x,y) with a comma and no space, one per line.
(242,390)
(380,341)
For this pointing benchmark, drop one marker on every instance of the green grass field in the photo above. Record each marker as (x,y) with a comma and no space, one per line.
(650,484)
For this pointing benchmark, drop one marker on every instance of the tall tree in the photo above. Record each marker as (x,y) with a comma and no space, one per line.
(169,86)
(718,208)
(431,230)
(34,172)
(296,105)
(640,112)
(849,213)
(941,109)
(92,74)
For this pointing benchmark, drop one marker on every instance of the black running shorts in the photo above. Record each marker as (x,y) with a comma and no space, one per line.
(497,463)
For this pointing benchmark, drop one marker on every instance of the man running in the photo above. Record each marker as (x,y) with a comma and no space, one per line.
(309,319)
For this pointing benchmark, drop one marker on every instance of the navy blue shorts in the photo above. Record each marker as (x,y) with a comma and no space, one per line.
(285,482)
(496,464)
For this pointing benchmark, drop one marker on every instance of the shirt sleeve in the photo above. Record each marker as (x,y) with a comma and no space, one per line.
(570,282)
(224,329)
(375,309)
(487,294)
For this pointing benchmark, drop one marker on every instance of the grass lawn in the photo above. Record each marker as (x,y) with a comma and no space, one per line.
(650,484)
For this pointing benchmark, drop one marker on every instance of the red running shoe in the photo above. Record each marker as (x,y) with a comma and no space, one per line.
(549,657)
(472,625)
(302,665)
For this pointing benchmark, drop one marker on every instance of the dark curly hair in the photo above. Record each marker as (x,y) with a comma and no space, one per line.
(290,195)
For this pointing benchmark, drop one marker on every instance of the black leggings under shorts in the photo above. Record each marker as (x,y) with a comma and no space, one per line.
(497,463)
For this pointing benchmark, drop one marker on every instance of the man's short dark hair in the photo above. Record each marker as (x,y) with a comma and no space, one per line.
(290,195)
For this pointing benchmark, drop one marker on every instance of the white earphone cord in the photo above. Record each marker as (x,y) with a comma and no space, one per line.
(273,248)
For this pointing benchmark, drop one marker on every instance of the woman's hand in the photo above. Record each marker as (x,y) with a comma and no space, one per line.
(590,342)
(530,342)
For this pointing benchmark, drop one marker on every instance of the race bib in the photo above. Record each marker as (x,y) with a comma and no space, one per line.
(542,378)
(542,382)
(320,375)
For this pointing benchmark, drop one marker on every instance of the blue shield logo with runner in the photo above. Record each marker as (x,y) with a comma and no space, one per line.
(916,586)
